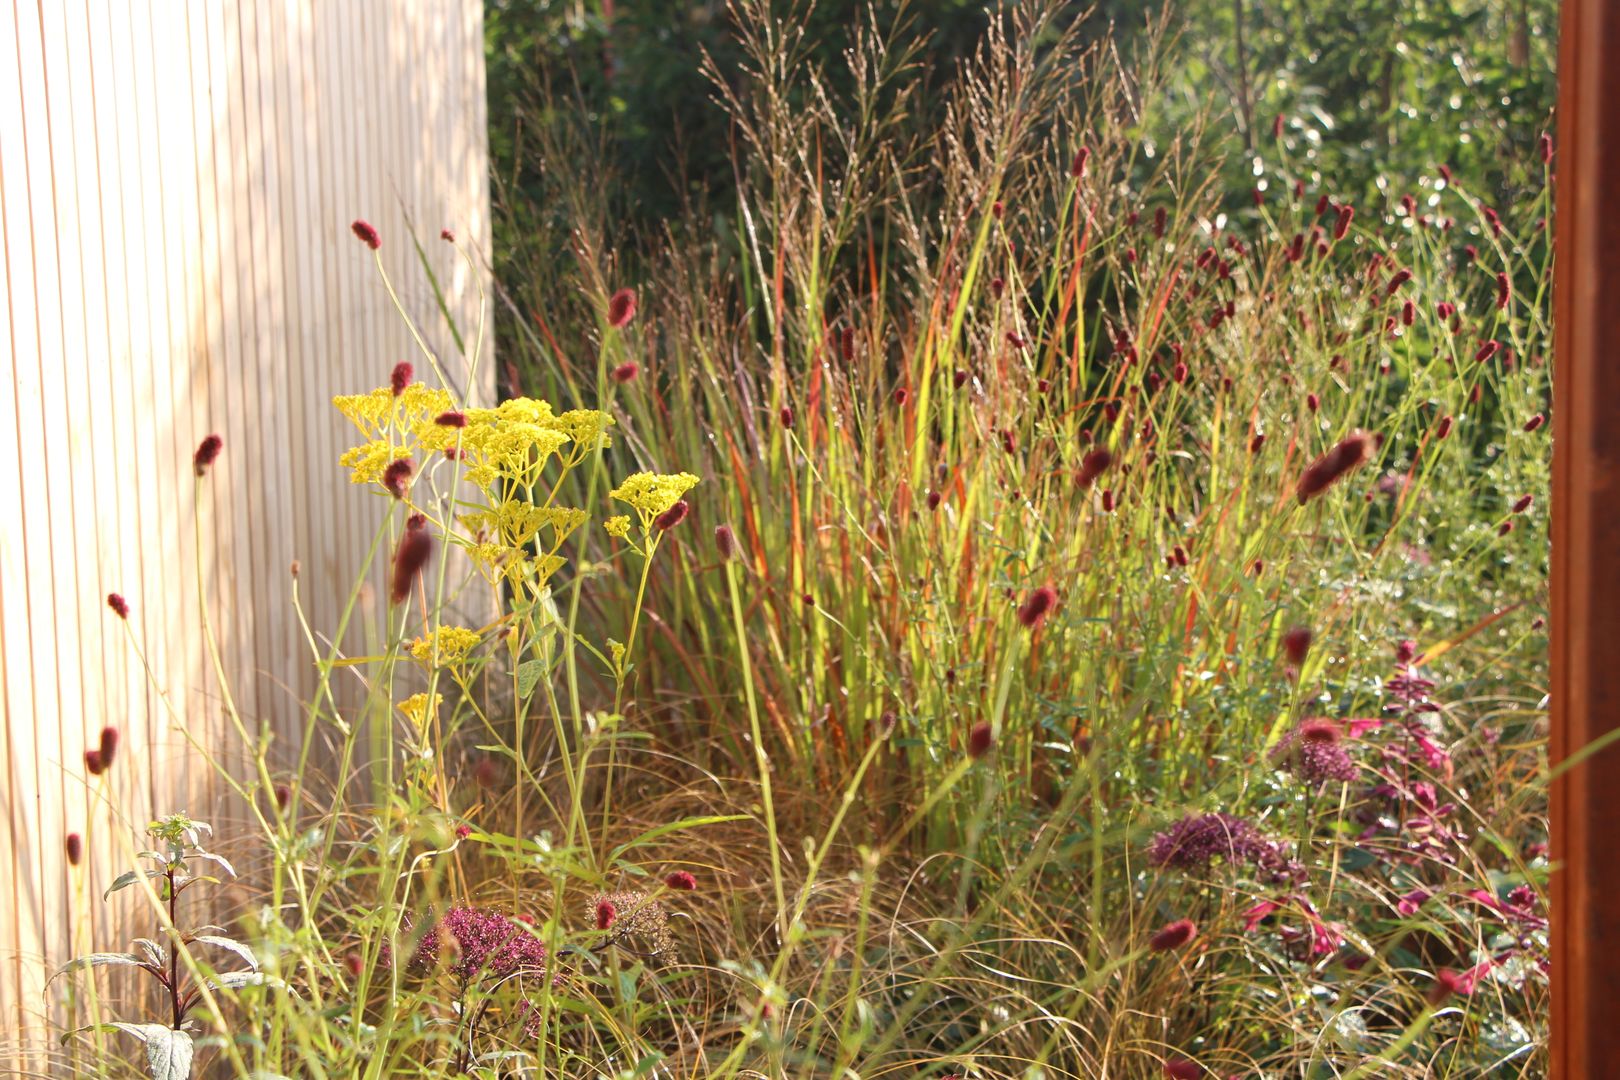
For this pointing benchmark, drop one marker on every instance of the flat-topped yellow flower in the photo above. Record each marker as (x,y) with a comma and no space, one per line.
(586,427)
(418,710)
(515,523)
(650,494)
(367,462)
(617,525)
(454,643)
(373,413)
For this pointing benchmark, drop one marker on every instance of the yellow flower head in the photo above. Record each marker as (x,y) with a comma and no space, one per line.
(586,427)
(418,710)
(367,462)
(454,643)
(617,525)
(653,493)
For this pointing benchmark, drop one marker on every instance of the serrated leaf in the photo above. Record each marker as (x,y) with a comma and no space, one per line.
(168,1052)
(528,676)
(153,951)
(230,944)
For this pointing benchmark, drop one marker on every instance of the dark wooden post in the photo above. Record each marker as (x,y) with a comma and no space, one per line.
(1586,545)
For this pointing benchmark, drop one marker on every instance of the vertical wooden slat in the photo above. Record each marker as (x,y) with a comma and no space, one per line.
(1585,585)
(176,183)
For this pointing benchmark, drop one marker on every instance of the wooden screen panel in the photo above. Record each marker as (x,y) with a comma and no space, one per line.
(176,183)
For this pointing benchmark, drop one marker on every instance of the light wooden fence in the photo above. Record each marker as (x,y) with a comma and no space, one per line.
(176,185)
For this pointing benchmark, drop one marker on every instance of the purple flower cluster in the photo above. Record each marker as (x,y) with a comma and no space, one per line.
(1314,751)
(1197,840)
(485,942)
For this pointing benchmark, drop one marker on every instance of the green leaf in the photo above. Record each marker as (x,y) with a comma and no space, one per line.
(528,676)
(128,878)
(168,1052)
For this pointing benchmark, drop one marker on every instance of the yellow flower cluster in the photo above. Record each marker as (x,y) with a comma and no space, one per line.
(505,532)
(650,494)
(454,643)
(382,411)
(503,449)
(367,461)
(418,710)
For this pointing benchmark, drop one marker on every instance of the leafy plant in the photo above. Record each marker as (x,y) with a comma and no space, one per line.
(172,960)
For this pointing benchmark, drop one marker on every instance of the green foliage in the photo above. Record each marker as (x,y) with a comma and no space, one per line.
(1024,472)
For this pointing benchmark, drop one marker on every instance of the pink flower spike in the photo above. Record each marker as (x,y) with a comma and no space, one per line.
(366,232)
(621,308)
